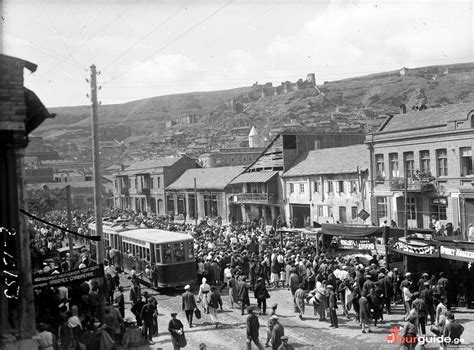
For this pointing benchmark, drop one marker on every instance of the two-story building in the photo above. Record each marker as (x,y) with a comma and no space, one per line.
(200,193)
(141,186)
(426,154)
(259,191)
(327,185)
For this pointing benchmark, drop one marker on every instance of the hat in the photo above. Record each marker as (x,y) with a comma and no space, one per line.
(426,283)
(260,279)
(274,306)
(274,317)
(187,287)
(408,274)
(174,313)
(395,269)
(330,286)
(344,267)
(368,276)
(425,275)
(285,337)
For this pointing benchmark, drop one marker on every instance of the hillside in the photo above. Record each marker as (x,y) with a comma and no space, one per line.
(197,122)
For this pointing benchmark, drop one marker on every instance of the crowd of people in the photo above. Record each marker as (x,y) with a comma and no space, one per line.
(245,258)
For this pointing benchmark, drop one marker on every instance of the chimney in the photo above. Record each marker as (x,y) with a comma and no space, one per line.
(403,109)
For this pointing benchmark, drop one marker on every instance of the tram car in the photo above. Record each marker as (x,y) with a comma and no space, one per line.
(172,252)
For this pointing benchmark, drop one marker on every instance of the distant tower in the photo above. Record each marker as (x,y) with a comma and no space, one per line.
(311,79)
(254,138)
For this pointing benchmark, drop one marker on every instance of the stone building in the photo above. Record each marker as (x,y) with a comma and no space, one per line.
(428,153)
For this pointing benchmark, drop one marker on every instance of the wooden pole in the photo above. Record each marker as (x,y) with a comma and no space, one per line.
(69,219)
(405,194)
(195,204)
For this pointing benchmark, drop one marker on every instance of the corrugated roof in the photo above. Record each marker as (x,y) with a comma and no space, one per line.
(337,160)
(155,235)
(428,118)
(146,165)
(254,177)
(206,178)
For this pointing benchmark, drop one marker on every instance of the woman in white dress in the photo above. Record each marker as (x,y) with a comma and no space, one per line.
(203,295)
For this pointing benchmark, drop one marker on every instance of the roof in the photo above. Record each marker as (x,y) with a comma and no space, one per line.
(427,118)
(253,131)
(148,164)
(331,161)
(254,177)
(156,236)
(206,178)
(30,66)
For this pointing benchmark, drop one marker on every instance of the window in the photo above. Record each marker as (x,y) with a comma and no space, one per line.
(158,182)
(178,252)
(393,164)
(438,208)
(320,209)
(189,251)
(441,162)
(316,186)
(466,161)
(301,188)
(129,183)
(158,254)
(411,208)
(354,213)
(353,185)
(292,188)
(166,253)
(342,214)
(116,184)
(331,212)
(152,182)
(340,184)
(382,207)
(425,160)
(330,187)
(379,166)
(409,161)
(289,141)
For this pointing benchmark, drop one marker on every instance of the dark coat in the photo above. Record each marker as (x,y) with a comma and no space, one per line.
(252,327)
(261,291)
(189,301)
(277,332)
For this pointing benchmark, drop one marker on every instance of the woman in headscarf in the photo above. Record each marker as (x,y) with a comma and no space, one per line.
(66,340)
(203,295)
(75,325)
(300,297)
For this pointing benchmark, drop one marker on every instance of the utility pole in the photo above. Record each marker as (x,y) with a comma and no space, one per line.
(96,166)
(69,219)
(195,204)
(405,194)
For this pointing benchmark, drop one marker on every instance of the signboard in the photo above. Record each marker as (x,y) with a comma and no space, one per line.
(415,249)
(454,253)
(360,244)
(78,275)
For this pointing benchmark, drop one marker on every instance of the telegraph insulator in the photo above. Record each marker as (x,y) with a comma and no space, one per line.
(87,95)
(100,102)
(100,87)
(98,73)
(87,80)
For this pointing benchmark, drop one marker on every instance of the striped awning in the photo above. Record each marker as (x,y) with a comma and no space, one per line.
(254,177)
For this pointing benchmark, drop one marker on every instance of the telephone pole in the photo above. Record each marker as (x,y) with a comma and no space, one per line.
(69,219)
(96,166)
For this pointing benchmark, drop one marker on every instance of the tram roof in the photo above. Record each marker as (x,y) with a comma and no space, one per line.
(156,236)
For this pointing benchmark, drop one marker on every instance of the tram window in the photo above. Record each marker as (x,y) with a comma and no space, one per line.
(189,250)
(158,254)
(147,254)
(167,253)
(178,250)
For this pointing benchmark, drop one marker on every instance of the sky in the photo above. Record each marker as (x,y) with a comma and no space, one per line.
(156,47)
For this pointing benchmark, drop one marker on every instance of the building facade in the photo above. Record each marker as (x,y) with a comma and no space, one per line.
(200,193)
(141,186)
(426,154)
(328,186)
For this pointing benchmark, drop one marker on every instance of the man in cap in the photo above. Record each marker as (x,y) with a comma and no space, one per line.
(189,304)
(427,296)
(277,332)
(243,293)
(252,328)
(147,315)
(261,294)
(332,300)
(272,312)
(284,344)
(420,285)
(175,327)
(420,306)
(452,330)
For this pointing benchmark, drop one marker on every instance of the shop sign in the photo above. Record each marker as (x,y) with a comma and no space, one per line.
(457,254)
(64,278)
(428,251)
(364,244)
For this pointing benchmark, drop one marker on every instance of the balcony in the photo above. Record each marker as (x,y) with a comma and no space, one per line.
(398,184)
(123,191)
(258,198)
(145,191)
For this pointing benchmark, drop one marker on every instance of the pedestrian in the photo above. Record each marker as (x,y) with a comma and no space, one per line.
(332,307)
(299,299)
(215,301)
(261,294)
(277,332)
(44,337)
(284,344)
(147,314)
(409,333)
(203,296)
(136,309)
(452,330)
(233,296)
(65,336)
(189,304)
(427,296)
(252,328)
(407,297)
(420,306)
(365,313)
(441,310)
(135,292)
(175,327)
(117,322)
(243,294)
(270,323)
(120,300)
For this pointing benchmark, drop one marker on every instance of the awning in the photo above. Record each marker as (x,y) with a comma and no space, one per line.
(457,250)
(415,248)
(254,177)
(351,231)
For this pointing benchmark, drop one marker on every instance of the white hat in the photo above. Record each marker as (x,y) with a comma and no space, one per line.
(187,287)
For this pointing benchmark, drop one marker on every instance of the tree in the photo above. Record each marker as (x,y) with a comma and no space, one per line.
(42,200)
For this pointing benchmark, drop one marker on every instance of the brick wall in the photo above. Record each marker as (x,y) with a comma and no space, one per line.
(12,100)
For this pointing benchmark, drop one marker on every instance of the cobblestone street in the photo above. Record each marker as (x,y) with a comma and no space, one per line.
(308,333)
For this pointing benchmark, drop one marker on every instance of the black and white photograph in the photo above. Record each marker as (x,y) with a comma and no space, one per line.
(236,174)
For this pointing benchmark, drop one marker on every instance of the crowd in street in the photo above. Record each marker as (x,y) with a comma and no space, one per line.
(242,259)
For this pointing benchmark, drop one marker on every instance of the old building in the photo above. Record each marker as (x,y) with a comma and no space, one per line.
(259,191)
(230,156)
(200,193)
(141,186)
(428,154)
(327,185)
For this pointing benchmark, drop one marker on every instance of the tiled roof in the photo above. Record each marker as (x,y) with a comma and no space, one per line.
(254,177)
(428,118)
(337,160)
(148,164)
(206,178)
